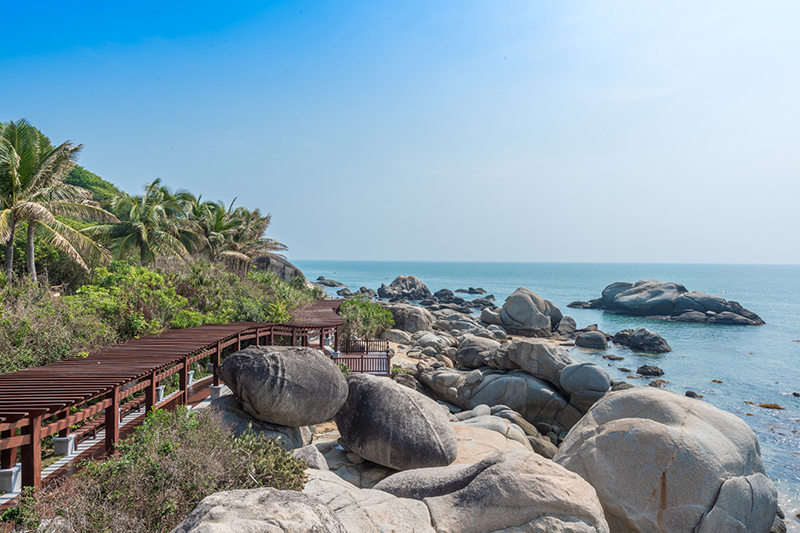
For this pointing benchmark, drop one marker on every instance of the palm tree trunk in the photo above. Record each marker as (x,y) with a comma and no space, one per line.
(9,264)
(30,250)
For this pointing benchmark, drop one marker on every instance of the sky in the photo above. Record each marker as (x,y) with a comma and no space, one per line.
(615,131)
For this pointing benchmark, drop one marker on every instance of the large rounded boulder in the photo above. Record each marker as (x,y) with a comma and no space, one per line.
(585,383)
(535,400)
(526,313)
(664,462)
(263,510)
(292,387)
(475,352)
(539,358)
(410,318)
(395,426)
(507,491)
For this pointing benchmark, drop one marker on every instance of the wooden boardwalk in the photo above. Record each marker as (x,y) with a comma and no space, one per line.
(97,390)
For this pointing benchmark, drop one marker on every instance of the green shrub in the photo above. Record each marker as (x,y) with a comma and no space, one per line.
(134,300)
(400,370)
(36,329)
(344,368)
(174,460)
(124,301)
(364,319)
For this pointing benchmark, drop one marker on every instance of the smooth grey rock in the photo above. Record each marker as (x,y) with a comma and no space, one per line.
(395,426)
(369,293)
(593,340)
(499,425)
(642,339)
(585,383)
(526,313)
(263,510)
(567,326)
(366,510)
(475,352)
(539,358)
(312,456)
(285,270)
(649,371)
(671,301)
(408,287)
(240,422)
(543,447)
(532,398)
(330,283)
(490,316)
(360,473)
(437,340)
(293,387)
(697,468)
(506,491)
(396,335)
(497,332)
(410,318)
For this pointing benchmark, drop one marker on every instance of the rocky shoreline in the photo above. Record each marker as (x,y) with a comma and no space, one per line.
(488,424)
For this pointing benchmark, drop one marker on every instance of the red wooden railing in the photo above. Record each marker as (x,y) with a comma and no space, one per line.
(365,346)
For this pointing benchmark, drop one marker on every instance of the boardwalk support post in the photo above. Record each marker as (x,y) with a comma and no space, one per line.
(8,458)
(32,453)
(112,420)
(215,390)
(183,379)
(150,393)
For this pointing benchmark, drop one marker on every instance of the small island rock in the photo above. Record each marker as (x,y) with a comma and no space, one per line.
(642,340)
(671,301)
(405,287)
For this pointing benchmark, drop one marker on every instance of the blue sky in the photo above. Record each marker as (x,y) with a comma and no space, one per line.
(449,130)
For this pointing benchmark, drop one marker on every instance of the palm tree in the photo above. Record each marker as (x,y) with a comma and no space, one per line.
(250,241)
(32,189)
(217,226)
(151,225)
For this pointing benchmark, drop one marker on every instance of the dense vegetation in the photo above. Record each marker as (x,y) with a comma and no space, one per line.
(102,190)
(174,460)
(125,301)
(126,265)
(364,319)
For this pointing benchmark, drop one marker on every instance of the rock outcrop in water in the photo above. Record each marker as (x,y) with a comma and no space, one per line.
(405,288)
(642,340)
(670,301)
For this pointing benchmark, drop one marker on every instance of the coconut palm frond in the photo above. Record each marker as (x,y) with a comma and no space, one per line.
(83,211)
(6,223)
(52,237)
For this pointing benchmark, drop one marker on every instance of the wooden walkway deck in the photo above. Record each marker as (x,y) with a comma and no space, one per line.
(50,400)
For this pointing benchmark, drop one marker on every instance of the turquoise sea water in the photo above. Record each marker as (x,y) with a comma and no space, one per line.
(756,364)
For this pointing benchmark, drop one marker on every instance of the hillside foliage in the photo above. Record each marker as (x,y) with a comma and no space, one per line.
(123,265)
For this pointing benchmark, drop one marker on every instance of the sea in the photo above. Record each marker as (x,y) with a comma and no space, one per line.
(754,364)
